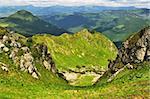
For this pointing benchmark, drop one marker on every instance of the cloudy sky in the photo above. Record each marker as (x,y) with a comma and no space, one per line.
(44,3)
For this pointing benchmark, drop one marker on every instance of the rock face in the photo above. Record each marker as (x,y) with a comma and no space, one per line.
(4,67)
(75,76)
(25,56)
(46,58)
(136,49)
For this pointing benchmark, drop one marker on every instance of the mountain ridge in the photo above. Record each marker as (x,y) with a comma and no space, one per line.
(26,23)
(119,80)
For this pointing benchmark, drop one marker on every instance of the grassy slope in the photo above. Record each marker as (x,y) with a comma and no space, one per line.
(128,84)
(27,24)
(80,49)
(14,80)
(116,25)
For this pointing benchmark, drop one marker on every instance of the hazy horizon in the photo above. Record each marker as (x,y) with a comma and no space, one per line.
(48,3)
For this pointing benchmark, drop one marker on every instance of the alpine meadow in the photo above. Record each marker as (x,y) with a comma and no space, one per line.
(66,49)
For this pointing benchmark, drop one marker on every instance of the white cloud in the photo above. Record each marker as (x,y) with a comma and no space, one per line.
(13,2)
(137,3)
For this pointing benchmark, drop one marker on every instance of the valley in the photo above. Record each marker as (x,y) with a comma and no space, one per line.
(72,55)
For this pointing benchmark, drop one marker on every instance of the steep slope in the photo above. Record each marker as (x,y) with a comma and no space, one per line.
(131,65)
(79,53)
(25,62)
(27,24)
(131,82)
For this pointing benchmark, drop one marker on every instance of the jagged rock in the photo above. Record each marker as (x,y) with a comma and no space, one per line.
(30,69)
(34,75)
(4,67)
(46,58)
(47,65)
(15,44)
(140,53)
(26,62)
(148,55)
(14,53)
(24,57)
(25,49)
(53,68)
(70,76)
(136,49)
(129,66)
(5,38)
(5,49)
(2,45)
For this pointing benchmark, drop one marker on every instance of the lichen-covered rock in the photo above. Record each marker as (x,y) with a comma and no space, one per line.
(47,65)
(13,55)
(129,66)
(1,45)
(34,75)
(15,44)
(148,55)
(46,58)
(5,49)
(5,38)
(136,49)
(4,67)
(23,55)
(140,54)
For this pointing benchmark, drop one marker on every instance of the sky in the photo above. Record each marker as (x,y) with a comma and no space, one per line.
(45,3)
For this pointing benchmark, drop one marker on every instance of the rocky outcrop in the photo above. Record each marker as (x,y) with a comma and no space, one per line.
(74,76)
(4,67)
(46,58)
(136,49)
(25,56)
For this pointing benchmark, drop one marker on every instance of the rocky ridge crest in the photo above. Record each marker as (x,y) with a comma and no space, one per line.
(24,56)
(135,50)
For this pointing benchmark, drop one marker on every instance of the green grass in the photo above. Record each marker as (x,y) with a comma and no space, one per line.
(116,25)
(27,24)
(84,80)
(128,84)
(80,49)
(4,24)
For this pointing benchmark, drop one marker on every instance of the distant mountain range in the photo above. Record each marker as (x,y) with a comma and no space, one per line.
(115,24)
(27,24)
(7,10)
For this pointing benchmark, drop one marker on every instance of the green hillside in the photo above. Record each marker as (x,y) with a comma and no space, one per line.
(80,49)
(14,77)
(81,57)
(27,24)
(116,25)
(130,83)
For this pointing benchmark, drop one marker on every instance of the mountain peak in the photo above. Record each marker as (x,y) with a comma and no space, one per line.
(23,12)
(24,15)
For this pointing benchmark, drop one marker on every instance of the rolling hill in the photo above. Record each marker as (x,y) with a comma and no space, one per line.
(19,81)
(54,10)
(27,24)
(117,25)
(79,52)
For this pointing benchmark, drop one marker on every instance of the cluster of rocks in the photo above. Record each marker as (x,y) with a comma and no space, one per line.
(46,58)
(78,73)
(4,67)
(136,49)
(22,55)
